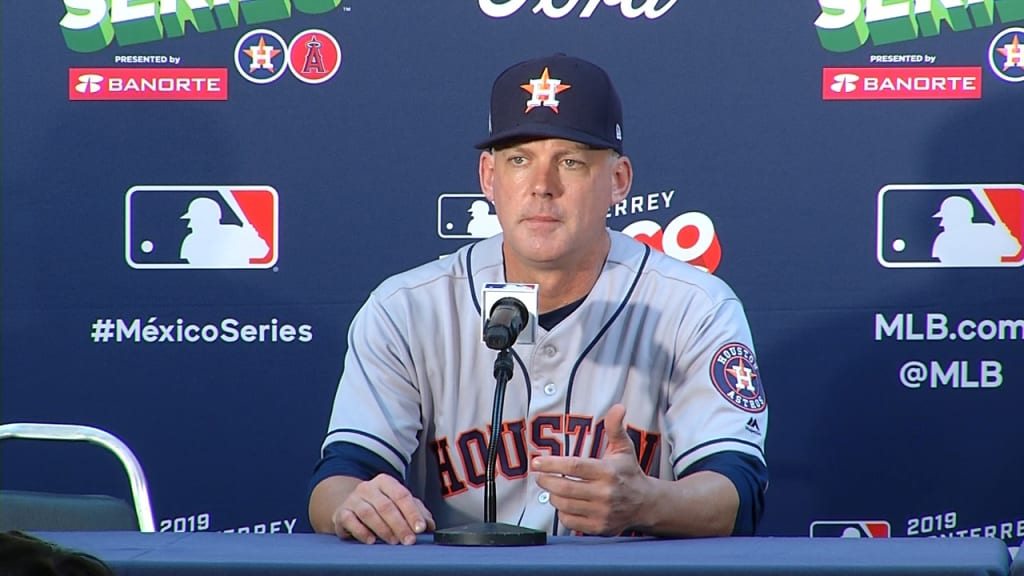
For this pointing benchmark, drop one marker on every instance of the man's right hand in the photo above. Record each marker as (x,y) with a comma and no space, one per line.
(382,508)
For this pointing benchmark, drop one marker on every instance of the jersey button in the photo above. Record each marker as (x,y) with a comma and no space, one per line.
(550,388)
(544,497)
(549,351)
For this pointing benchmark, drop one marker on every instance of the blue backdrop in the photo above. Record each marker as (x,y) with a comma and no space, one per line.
(798,150)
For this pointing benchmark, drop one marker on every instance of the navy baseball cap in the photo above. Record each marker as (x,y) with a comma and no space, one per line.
(557,96)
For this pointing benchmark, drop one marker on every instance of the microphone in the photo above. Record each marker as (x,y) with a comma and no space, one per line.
(507,319)
(509,309)
(508,314)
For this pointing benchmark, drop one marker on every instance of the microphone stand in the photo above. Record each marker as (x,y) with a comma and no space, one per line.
(490,532)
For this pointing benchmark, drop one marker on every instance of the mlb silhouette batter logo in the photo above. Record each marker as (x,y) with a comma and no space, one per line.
(850,529)
(466,216)
(221,227)
(951,226)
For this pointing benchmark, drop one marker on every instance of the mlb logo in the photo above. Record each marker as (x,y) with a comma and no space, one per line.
(466,216)
(219,227)
(951,226)
(850,529)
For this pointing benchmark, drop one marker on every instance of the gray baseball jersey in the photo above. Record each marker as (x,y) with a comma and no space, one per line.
(667,340)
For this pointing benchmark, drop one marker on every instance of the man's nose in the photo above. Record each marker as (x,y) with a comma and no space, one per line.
(545,179)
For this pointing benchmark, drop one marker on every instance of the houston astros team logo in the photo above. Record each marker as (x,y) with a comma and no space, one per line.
(1006,55)
(260,56)
(734,373)
(544,91)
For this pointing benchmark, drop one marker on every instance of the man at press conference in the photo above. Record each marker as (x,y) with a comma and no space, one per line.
(636,408)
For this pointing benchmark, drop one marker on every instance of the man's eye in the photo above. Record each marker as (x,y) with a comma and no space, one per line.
(517,160)
(572,163)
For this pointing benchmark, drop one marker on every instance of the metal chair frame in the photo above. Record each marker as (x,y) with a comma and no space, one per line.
(77,432)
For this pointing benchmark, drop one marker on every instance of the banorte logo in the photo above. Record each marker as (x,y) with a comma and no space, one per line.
(844,83)
(846,25)
(650,9)
(89,83)
(91,25)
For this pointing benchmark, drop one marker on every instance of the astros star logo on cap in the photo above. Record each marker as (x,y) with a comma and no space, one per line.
(543,91)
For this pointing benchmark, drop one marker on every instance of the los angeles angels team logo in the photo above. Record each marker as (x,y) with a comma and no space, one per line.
(314,56)
(734,373)
(544,91)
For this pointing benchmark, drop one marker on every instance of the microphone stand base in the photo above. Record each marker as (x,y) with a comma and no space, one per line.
(490,534)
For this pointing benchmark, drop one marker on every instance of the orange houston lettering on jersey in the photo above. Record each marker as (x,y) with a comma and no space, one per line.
(464,464)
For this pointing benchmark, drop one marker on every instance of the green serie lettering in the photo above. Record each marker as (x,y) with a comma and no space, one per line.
(952,12)
(226,12)
(316,6)
(846,25)
(1010,10)
(257,11)
(841,25)
(981,12)
(890,21)
(91,25)
(174,14)
(135,21)
(86,26)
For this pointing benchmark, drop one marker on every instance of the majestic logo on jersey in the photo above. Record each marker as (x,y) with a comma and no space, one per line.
(201,227)
(1006,55)
(951,225)
(753,427)
(850,529)
(734,373)
(544,91)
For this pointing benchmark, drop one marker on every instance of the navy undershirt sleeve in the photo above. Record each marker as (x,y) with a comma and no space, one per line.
(347,459)
(749,475)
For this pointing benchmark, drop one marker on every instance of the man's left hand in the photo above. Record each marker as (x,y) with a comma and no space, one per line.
(599,496)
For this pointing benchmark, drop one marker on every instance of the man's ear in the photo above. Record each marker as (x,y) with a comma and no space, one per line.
(486,172)
(622,178)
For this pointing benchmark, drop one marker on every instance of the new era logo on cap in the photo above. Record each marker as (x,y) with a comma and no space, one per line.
(555,97)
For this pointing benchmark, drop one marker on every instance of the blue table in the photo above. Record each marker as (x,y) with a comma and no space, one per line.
(202,553)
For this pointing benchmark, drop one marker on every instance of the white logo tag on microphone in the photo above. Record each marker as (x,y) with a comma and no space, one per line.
(525,293)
